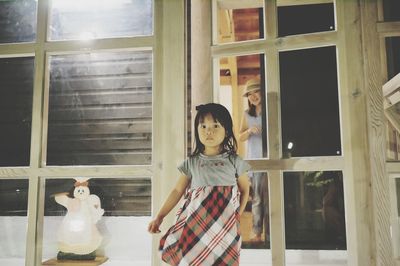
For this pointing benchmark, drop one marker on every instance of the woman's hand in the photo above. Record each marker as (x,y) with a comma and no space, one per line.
(154,226)
(254,130)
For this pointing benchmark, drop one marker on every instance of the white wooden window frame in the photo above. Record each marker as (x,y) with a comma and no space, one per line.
(385,30)
(167,44)
(270,46)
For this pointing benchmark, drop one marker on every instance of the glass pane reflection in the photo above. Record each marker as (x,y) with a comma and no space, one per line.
(96,19)
(242,92)
(13,220)
(119,234)
(18,21)
(100,109)
(314,210)
(254,222)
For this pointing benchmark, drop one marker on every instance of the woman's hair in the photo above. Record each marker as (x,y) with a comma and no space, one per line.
(221,115)
(252,109)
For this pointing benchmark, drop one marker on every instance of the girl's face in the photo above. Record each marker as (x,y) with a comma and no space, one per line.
(254,97)
(211,133)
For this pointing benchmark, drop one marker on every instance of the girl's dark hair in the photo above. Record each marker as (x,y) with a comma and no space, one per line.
(221,115)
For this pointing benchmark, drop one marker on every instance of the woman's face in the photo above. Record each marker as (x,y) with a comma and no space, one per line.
(254,97)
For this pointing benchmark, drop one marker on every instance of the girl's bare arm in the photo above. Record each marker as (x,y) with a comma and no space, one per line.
(173,198)
(244,188)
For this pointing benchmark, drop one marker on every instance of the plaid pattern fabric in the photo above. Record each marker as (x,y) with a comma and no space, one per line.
(206,231)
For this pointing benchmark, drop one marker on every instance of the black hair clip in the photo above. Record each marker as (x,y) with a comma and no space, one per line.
(199,107)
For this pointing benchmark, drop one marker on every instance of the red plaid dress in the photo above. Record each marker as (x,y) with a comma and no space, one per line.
(206,231)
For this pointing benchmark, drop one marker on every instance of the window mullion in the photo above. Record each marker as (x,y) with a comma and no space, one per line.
(273,111)
(17,49)
(133,43)
(276,216)
(33,252)
(271,19)
(293,42)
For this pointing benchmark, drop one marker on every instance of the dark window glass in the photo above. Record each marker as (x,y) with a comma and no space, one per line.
(314,210)
(17,21)
(100,109)
(13,197)
(16,83)
(309,103)
(300,19)
(393,56)
(391,10)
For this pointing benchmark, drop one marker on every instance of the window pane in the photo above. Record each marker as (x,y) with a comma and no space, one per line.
(100,109)
(300,19)
(13,220)
(391,10)
(393,56)
(309,102)
(242,24)
(96,19)
(392,135)
(254,222)
(119,234)
(16,83)
(398,195)
(314,211)
(17,21)
(242,92)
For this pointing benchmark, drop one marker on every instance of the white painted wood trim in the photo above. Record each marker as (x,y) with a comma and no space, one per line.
(277,217)
(288,43)
(34,239)
(388,28)
(112,44)
(328,163)
(170,114)
(73,171)
(16,49)
(271,19)
(273,115)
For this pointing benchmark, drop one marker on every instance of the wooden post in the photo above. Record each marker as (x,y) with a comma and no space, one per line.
(376,128)
(201,64)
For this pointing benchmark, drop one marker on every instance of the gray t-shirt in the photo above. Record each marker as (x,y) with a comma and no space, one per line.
(218,170)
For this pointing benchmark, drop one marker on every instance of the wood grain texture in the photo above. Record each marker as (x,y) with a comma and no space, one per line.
(376,129)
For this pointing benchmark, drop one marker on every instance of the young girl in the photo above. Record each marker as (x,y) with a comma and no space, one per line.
(206,231)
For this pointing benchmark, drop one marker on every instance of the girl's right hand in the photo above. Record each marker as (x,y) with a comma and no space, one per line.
(154,226)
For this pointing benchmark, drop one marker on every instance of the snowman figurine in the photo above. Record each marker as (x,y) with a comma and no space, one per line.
(78,236)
